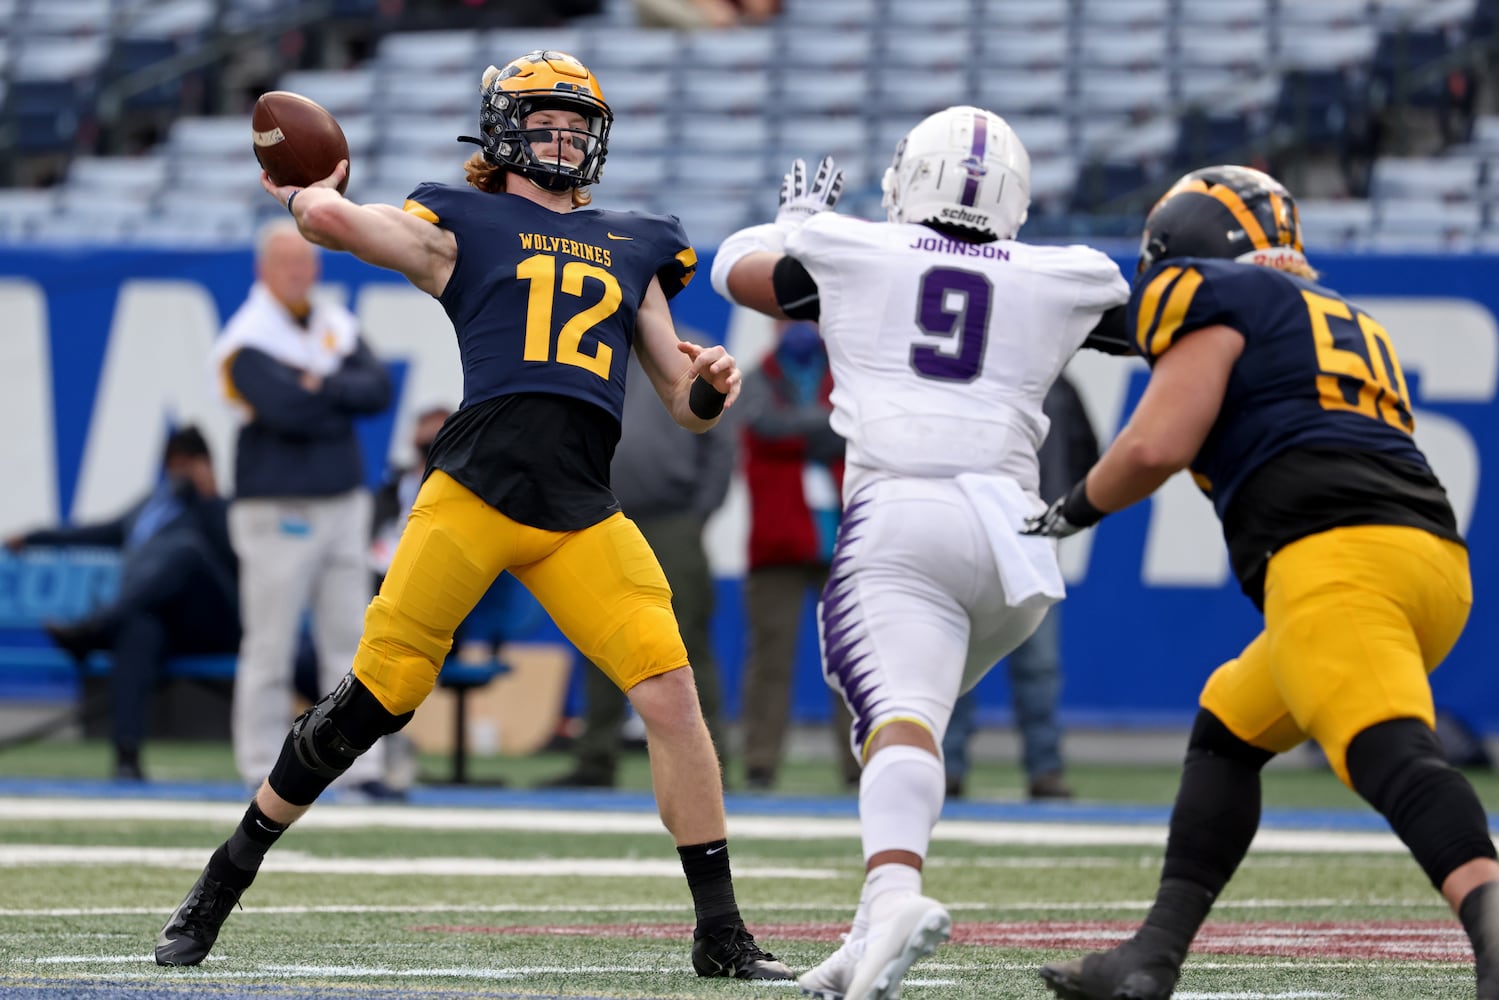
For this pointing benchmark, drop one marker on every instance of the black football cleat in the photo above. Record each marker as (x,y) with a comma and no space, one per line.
(194,926)
(1123,973)
(731,953)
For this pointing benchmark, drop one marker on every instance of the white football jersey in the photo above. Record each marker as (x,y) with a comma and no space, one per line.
(942,351)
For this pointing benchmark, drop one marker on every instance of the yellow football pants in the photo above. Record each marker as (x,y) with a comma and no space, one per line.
(1355,620)
(602,586)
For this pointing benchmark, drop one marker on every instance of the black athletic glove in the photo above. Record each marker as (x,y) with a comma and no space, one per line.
(1068,515)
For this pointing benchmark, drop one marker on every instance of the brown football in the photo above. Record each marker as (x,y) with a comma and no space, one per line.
(296,140)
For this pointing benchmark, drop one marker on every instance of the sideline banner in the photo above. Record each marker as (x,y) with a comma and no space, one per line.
(104,350)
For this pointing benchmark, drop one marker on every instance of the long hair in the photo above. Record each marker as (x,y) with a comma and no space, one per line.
(487,177)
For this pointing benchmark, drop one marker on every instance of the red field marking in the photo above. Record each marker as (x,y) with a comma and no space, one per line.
(1425,941)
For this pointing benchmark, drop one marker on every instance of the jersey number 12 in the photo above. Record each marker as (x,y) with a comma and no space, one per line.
(541,271)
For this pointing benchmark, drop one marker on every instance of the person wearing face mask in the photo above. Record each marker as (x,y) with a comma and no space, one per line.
(178,589)
(299,376)
(793,467)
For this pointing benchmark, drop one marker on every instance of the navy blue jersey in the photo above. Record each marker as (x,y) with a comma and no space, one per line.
(1316,371)
(546,301)
(1315,428)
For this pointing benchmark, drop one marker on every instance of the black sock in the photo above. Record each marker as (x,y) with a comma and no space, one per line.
(1470,912)
(1180,908)
(239,858)
(707,869)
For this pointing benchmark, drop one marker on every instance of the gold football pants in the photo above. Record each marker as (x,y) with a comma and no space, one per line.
(1355,620)
(602,586)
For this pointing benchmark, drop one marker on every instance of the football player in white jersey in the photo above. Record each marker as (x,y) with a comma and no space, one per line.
(944,334)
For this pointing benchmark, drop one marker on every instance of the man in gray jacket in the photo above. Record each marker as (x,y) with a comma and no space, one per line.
(300,375)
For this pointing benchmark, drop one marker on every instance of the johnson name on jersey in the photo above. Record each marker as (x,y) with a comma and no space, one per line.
(546,301)
(943,350)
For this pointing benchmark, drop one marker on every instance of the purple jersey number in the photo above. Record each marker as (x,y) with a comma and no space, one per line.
(968,322)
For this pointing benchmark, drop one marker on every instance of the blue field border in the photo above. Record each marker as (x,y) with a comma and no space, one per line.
(451,797)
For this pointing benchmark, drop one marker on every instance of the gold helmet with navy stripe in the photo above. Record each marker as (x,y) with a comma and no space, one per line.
(1225,211)
(543,80)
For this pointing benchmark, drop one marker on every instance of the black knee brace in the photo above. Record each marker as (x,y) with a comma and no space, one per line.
(327,738)
(1398,767)
(1217,808)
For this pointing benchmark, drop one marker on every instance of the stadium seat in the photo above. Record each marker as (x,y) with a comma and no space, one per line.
(361,132)
(502,45)
(1107,47)
(412,92)
(644,49)
(1043,136)
(846,139)
(1202,47)
(47,59)
(717,134)
(417,52)
(744,92)
(1111,92)
(1004,48)
(1335,224)
(1124,14)
(918,96)
(641,133)
(342,92)
(1010,93)
(820,49)
(1299,17)
(942,51)
(170,19)
(21,209)
(1052,182)
(634,176)
(1417,217)
(123,176)
(212,137)
(398,169)
(1228,18)
(1316,47)
(1449,179)
(927,15)
(842,93)
(1154,140)
(63,17)
(711,53)
(837,13)
(1024,15)
(434,136)
(636,92)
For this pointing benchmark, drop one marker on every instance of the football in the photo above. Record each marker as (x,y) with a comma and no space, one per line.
(296,140)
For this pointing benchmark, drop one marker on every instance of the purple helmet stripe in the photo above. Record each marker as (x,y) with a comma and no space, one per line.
(980,139)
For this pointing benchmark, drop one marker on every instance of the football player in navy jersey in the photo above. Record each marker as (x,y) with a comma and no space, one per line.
(547,301)
(1287,403)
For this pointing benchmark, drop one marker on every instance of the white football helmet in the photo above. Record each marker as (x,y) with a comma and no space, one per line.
(963,167)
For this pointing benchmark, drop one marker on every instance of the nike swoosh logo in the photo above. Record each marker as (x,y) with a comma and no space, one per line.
(613,237)
(715,850)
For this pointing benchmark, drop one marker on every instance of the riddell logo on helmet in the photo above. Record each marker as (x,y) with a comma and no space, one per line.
(960,215)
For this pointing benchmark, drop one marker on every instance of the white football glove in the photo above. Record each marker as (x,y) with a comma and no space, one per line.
(800,202)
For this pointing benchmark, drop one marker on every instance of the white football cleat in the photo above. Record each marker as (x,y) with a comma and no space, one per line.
(911,932)
(829,980)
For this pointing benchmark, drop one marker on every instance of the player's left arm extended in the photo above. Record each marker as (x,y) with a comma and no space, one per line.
(696,383)
(1164,434)
(1174,418)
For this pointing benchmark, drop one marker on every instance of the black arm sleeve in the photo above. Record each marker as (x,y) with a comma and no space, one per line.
(796,292)
(1111,336)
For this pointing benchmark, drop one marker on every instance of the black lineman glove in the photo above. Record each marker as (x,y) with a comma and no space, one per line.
(800,202)
(1067,515)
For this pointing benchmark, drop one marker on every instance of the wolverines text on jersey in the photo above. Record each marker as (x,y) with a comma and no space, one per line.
(544,304)
(1315,428)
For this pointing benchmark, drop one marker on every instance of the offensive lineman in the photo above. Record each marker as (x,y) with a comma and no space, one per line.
(944,334)
(547,302)
(1289,406)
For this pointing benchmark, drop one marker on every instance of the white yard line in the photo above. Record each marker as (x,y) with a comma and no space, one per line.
(192,859)
(602,822)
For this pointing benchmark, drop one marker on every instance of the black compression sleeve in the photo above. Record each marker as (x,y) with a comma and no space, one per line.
(1110,336)
(704,400)
(796,292)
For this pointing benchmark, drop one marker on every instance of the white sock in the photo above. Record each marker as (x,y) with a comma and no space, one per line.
(900,798)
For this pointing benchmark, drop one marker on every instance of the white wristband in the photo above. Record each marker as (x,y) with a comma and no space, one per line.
(767,238)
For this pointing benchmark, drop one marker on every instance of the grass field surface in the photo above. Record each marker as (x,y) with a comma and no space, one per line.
(522,894)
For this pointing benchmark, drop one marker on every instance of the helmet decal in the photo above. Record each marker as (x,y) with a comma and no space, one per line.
(963,168)
(1225,211)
